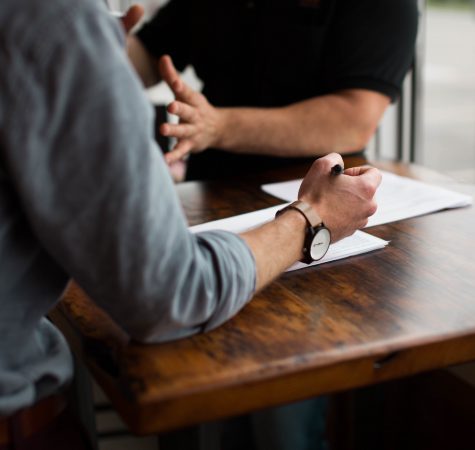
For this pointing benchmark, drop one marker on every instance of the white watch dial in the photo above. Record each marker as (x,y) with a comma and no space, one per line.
(320,244)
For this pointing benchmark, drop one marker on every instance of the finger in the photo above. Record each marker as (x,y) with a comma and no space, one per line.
(177,171)
(373,207)
(363,224)
(170,75)
(185,112)
(132,17)
(370,174)
(181,149)
(325,163)
(356,171)
(179,131)
(186,94)
(167,70)
(332,159)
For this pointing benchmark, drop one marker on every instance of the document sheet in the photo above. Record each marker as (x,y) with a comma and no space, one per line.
(356,244)
(397,197)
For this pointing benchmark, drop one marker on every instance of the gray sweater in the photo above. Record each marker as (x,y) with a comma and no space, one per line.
(85,193)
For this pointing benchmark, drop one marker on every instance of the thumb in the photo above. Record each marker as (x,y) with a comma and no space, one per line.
(132,17)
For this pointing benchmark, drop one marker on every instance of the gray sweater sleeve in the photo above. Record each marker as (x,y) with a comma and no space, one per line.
(97,192)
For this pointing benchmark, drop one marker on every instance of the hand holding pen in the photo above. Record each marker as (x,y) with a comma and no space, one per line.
(344,203)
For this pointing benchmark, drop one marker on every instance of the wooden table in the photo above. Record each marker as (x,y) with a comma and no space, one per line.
(395,312)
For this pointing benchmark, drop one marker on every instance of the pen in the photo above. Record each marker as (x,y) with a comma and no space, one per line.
(337,169)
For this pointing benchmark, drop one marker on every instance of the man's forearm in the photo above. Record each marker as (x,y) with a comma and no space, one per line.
(142,61)
(276,245)
(341,122)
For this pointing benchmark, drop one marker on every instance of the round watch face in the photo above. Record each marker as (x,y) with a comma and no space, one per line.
(320,244)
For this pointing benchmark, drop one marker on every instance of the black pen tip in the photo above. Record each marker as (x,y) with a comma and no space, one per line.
(337,169)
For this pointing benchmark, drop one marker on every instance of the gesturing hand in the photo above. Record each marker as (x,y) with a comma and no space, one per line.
(199,126)
(344,202)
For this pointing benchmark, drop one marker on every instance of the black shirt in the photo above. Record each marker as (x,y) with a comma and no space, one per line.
(267,53)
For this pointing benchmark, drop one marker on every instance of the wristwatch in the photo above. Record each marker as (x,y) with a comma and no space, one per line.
(317,235)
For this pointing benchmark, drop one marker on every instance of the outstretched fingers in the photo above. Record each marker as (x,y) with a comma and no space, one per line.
(180,89)
(179,131)
(177,153)
(167,70)
(185,112)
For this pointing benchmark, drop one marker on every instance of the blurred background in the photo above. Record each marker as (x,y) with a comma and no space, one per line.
(448,97)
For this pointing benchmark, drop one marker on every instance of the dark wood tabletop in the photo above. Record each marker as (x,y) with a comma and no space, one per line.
(402,310)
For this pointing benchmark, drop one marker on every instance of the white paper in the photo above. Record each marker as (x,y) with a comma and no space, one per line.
(397,198)
(356,244)
(240,223)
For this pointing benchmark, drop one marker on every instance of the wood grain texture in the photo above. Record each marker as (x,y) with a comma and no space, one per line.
(395,312)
